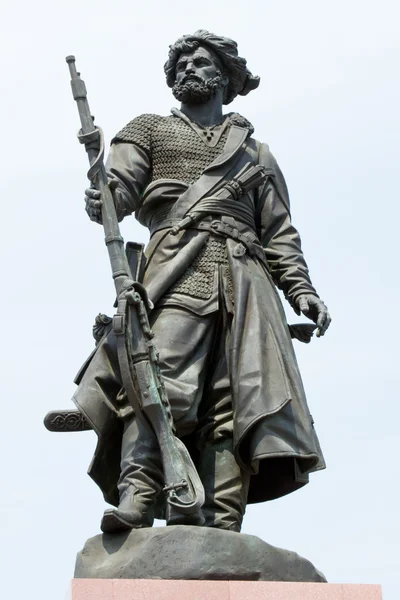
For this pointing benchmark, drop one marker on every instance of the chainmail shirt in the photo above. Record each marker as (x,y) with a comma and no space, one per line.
(198,279)
(176,151)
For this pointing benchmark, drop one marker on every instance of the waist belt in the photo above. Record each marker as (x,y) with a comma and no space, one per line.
(189,220)
(248,242)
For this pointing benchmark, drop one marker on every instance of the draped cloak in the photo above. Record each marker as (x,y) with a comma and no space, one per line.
(274,435)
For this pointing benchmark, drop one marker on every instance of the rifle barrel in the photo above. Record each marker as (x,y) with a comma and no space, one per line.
(80,95)
(114,241)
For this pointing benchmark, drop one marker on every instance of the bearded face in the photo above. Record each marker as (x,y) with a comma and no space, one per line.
(198,77)
(194,89)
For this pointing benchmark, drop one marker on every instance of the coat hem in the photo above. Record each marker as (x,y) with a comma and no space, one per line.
(238,442)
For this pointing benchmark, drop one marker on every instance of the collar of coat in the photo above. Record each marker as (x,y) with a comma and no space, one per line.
(234,119)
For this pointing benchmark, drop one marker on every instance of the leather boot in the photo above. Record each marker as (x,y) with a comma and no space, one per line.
(226,485)
(140,483)
(174,517)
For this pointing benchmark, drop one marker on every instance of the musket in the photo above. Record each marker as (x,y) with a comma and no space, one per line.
(137,354)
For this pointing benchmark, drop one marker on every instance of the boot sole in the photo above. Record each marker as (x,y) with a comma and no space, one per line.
(111,523)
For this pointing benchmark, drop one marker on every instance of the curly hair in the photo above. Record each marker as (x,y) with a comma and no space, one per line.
(241,81)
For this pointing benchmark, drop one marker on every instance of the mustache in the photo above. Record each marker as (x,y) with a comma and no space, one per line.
(192,77)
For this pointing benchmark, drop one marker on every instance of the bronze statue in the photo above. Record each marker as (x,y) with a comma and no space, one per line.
(217,207)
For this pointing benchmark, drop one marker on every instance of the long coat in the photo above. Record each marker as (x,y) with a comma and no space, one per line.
(274,436)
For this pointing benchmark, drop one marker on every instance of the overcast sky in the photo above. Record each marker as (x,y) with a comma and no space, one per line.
(328,105)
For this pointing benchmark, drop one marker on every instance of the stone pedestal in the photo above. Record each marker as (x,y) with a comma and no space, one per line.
(200,563)
(153,589)
(182,552)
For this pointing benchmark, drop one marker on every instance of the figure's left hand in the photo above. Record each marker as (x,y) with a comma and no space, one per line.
(313,308)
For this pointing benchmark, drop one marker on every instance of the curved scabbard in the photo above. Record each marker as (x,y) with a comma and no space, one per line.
(141,378)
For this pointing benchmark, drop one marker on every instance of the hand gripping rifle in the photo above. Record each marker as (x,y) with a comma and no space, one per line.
(137,355)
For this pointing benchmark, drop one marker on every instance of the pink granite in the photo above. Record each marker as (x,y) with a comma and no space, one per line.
(167,589)
(265,590)
(88,589)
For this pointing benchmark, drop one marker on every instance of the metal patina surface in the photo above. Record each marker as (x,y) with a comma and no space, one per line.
(193,388)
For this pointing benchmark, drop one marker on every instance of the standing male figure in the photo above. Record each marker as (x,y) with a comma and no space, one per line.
(225,348)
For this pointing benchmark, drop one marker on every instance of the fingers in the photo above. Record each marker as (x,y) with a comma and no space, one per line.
(322,313)
(323,320)
(303,305)
(94,215)
(93,205)
(315,309)
(92,193)
(90,203)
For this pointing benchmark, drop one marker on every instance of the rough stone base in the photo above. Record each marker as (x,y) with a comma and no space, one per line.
(186,552)
(131,589)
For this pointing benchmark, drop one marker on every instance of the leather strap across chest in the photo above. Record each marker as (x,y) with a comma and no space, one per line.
(234,148)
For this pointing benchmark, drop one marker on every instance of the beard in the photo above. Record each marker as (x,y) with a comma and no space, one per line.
(196,90)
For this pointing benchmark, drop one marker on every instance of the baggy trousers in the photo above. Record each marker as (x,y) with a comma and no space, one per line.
(194,363)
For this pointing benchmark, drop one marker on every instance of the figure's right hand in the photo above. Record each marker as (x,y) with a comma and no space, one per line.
(93,204)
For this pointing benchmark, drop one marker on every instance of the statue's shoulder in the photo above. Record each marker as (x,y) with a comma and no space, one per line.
(265,155)
(241,121)
(268,160)
(139,130)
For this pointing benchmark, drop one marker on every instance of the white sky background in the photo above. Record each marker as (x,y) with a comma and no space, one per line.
(328,105)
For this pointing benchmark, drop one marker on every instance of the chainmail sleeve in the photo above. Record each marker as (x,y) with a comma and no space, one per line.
(129,167)
(139,131)
(129,163)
